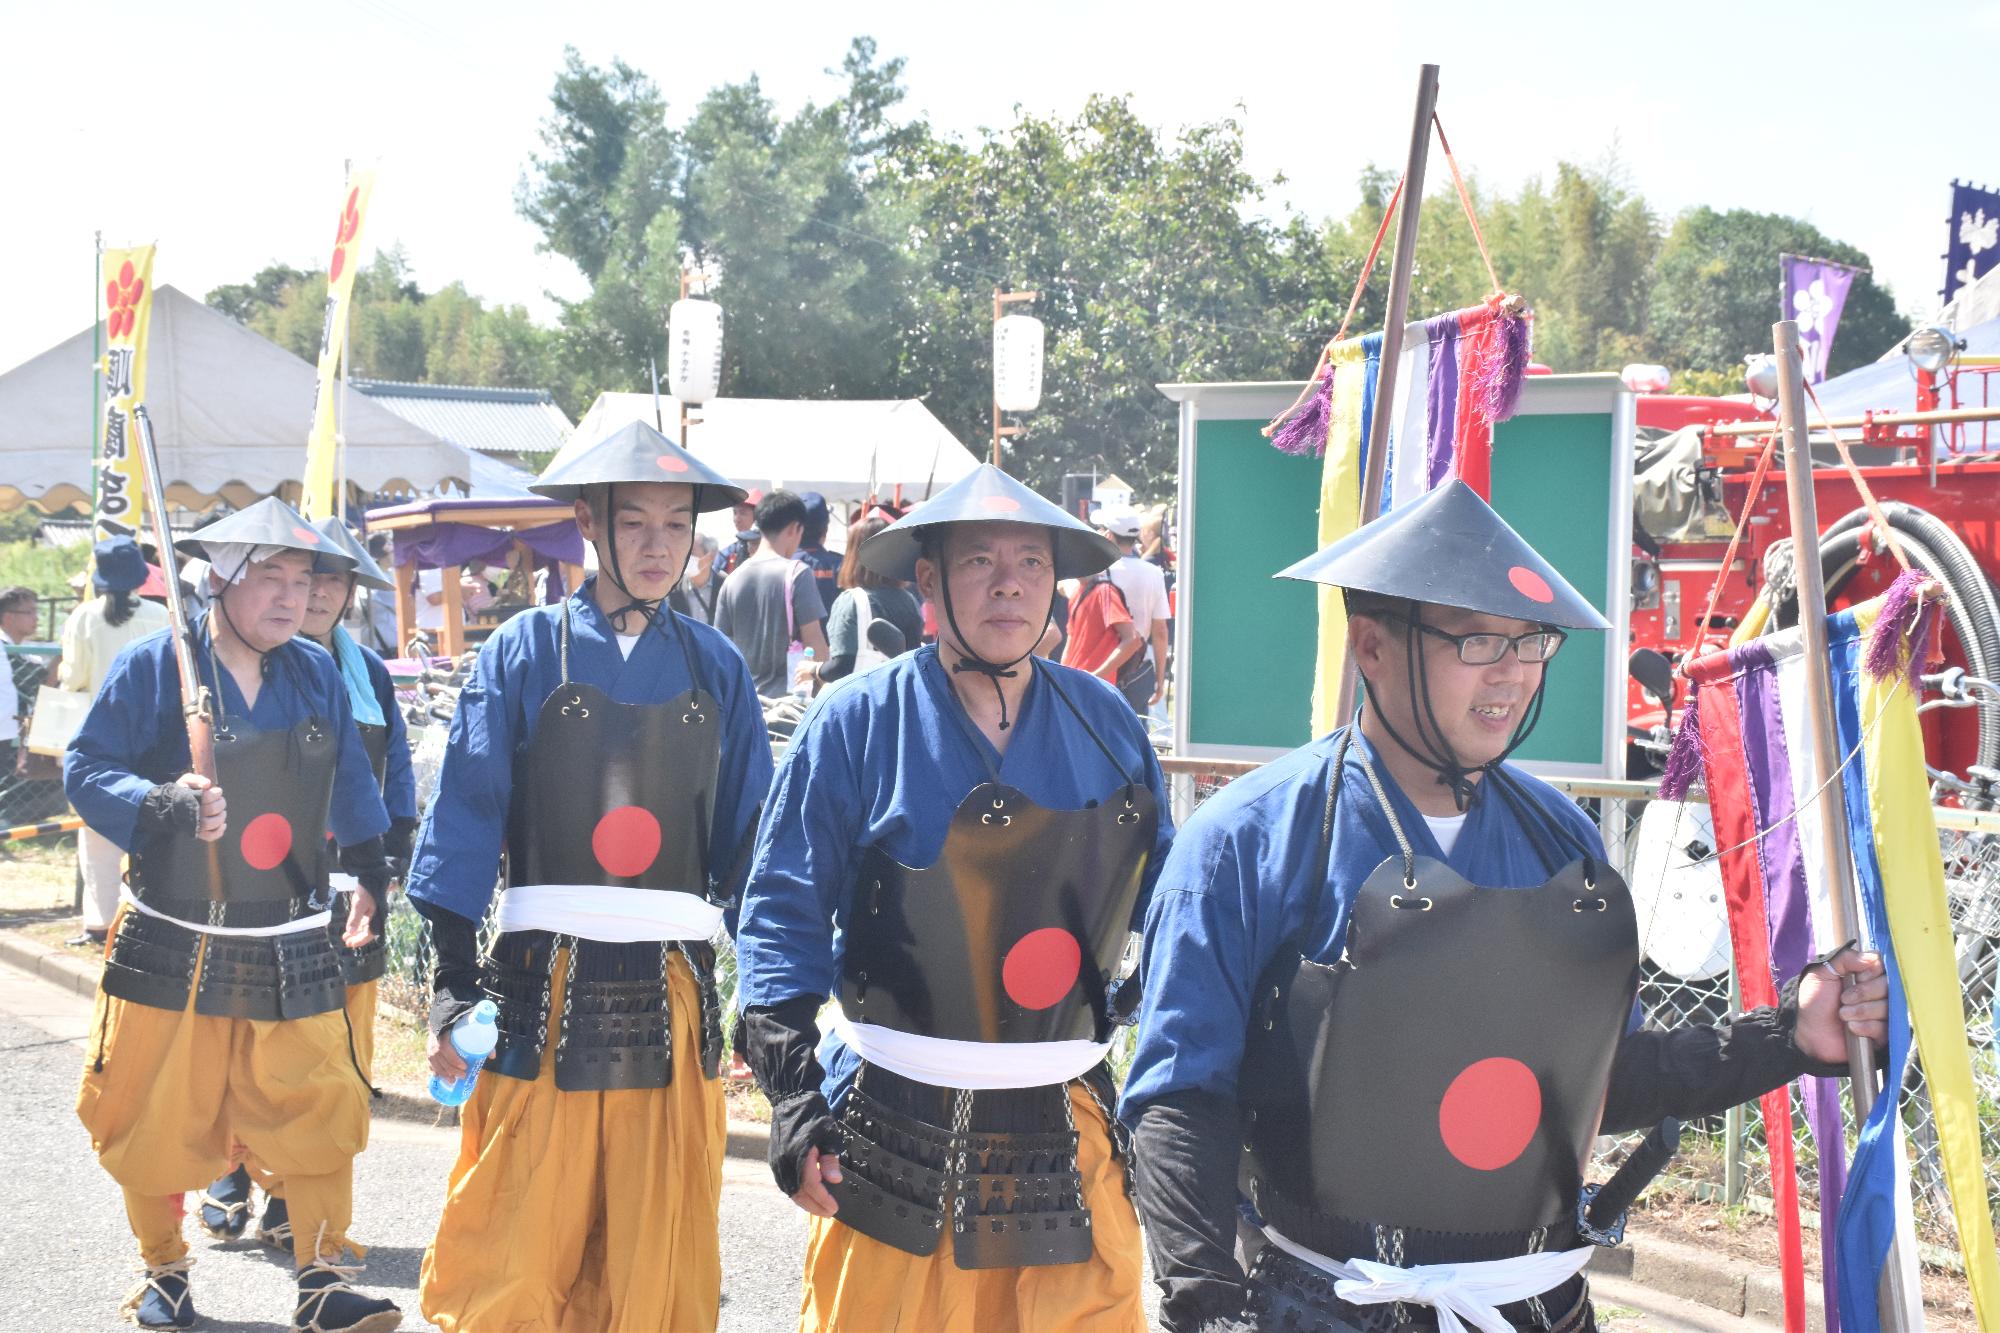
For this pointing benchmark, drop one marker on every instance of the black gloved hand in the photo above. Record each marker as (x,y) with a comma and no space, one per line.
(171,809)
(800,1123)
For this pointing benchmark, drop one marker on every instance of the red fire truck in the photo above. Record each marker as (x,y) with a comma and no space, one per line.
(1936,471)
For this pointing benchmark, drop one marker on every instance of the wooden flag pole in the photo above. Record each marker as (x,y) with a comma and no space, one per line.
(1822,749)
(1402,261)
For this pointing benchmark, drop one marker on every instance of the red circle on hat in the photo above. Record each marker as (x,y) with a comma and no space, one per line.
(1006,504)
(626,841)
(267,840)
(1490,1112)
(669,463)
(306,535)
(1530,584)
(1041,967)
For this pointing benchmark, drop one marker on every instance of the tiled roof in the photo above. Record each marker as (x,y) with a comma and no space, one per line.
(495,421)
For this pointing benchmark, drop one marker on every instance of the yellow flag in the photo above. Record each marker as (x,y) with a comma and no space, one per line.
(318,499)
(128,304)
(1339,515)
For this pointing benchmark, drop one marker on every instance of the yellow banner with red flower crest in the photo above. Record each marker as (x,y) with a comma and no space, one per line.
(120,501)
(317,499)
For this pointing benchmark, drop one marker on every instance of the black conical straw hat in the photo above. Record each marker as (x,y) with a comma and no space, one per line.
(632,453)
(341,537)
(269,522)
(1451,549)
(988,495)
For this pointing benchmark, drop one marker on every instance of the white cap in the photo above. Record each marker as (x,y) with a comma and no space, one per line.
(1118,520)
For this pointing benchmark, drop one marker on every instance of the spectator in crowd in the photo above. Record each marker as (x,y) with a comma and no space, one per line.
(1102,638)
(375,609)
(873,619)
(19,608)
(696,594)
(1144,589)
(745,545)
(770,602)
(812,549)
(91,637)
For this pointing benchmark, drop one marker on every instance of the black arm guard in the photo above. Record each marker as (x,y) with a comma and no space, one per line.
(1185,1154)
(455,970)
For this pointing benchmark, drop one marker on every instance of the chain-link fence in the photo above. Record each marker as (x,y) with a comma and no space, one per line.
(30,784)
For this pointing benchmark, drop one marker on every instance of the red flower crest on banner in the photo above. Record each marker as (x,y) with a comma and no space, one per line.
(121,297)
(343,232)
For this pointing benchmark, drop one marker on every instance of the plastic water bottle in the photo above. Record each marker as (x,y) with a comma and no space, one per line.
(474,1036)
(803,689)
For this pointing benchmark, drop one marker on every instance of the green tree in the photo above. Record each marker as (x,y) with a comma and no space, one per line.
(1716,291)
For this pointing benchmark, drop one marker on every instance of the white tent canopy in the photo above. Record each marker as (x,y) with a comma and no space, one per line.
(230,412)
(835,448)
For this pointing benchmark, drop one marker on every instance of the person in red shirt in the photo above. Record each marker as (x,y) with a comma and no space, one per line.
(1101,634)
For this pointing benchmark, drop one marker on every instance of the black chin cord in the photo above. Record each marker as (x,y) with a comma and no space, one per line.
(973,662)
(1441,759)
(648,611)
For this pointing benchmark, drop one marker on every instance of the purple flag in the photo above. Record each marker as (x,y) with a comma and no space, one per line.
(1815,294)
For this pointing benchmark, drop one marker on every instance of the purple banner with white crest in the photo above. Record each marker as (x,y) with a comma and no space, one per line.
(1815,294)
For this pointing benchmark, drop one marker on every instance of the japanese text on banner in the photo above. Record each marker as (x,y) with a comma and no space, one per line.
(119,505)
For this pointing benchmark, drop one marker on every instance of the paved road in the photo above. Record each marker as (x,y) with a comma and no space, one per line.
(68,1257)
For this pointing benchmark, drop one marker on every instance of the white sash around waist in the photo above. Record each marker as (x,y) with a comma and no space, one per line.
(976,1065)
(1460,1293)
(317,921)
(608,914)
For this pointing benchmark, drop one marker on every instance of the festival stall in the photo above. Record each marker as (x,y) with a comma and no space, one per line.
(527,534)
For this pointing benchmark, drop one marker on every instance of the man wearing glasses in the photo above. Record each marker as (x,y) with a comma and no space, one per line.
(1388,983)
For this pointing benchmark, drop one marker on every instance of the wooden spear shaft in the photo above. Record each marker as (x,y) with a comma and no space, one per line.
(1822,748)
(1402,261)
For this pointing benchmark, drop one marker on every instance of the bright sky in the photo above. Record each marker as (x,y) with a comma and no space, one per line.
(218,128)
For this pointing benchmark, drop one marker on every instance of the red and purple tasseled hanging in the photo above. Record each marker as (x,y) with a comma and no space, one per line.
(1685,760)
(1905,613)
(1304,432)
(1496,380)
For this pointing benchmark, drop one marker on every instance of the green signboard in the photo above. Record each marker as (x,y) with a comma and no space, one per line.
(1244,641)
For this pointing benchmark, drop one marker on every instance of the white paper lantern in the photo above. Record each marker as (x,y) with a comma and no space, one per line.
(694,350)
(1017,363)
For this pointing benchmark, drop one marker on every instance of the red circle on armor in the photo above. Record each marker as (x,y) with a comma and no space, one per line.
(626,841)
(306,535)
(1490,1112)
(267,841)
(1530,584)
(1041,967)
(669,463)
(1005,504)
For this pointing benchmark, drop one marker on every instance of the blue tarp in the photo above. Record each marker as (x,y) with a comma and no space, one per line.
(1891,386)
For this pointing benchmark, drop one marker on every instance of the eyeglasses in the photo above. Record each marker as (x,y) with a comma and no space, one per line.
(1534,647)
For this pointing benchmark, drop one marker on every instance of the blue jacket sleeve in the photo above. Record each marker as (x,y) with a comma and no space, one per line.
(1199,966)
(742,784)
(357,813)
(122,724)
(457,862)
(399,787)
(800,871)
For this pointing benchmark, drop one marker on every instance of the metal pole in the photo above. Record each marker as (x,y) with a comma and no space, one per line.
(346,353)
(1401,261)
(1823,749)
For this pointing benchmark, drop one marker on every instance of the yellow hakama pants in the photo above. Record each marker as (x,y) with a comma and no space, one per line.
(166,1092)
(361,1032)
(859,1285)
(585,1210)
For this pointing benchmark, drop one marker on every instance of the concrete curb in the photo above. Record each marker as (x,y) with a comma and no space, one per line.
(1727,1285)
(77,970)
